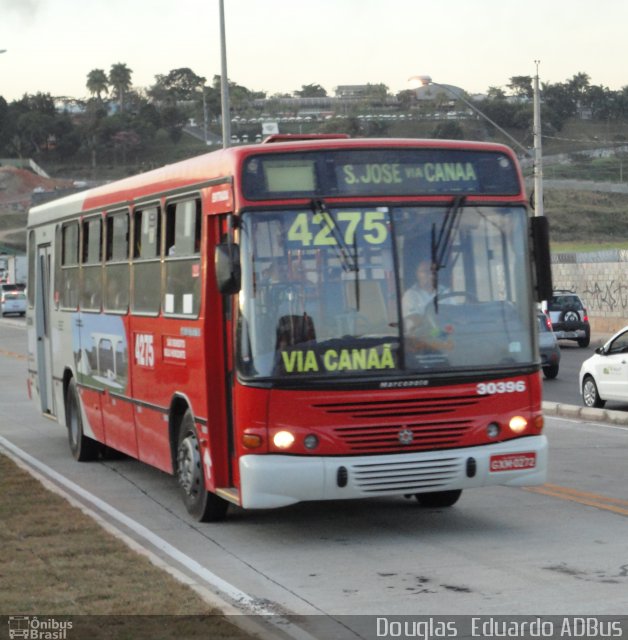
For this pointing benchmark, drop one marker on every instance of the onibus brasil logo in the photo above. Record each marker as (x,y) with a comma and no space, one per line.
(34,628)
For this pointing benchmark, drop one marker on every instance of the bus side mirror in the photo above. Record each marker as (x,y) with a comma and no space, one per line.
(539,236)
(227,264)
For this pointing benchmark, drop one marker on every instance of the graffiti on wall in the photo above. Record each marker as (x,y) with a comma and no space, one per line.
(608,296)
(599,278)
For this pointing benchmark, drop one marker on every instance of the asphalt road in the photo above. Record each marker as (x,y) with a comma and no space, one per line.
(564,389)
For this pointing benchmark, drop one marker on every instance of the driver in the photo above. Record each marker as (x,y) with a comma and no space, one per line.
(417,298)
(419,318)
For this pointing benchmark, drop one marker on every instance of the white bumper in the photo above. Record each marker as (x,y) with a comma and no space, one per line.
(269,481)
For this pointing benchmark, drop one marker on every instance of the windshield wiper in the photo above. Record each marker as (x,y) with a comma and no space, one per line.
(441,245)
(348,258)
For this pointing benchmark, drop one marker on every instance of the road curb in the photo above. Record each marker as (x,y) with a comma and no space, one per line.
(585,413)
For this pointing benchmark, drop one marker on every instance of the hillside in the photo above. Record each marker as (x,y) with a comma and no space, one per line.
(586,220)
(582,219)
(18,188)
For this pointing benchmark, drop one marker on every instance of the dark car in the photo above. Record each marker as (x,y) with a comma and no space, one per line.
(569,318)
(548,346)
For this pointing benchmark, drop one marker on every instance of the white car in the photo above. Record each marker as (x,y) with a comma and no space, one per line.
(604,376)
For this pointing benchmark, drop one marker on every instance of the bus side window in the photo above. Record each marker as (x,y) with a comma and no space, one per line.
(117,263)
(182,260)
(69,276)
(91,266)
(146,260)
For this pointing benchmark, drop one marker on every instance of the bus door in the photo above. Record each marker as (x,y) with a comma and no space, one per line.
(42,329)
(220,388)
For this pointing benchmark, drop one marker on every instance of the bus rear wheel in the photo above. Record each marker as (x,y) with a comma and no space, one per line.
(439,498)
(83,448)
(200,503)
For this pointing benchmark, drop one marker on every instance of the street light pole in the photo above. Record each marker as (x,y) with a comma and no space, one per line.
(538,154)
(427,80)
(224,82)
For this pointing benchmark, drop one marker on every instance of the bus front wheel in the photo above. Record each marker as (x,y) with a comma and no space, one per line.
(203,505)
(439,498)
(83,448)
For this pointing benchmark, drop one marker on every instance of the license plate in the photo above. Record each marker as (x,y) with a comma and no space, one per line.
(513,461)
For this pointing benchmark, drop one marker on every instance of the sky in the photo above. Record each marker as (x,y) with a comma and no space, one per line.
(278,46)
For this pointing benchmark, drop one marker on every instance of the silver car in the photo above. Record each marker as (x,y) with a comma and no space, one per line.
(13,302)
(548,346)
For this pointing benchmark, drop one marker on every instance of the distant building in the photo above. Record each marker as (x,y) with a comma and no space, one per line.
(354,91)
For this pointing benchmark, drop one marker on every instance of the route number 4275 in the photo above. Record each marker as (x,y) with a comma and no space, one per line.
(144,350)
(323,229)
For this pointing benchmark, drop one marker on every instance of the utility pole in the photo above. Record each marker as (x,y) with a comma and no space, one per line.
(538,153)
(224,82)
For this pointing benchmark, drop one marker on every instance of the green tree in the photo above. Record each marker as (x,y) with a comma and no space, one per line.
(521,86)
(32,121)
(311,91)
(559,102)
(120,80)
(239,97)
(5,126)
(179,84)
(97,83)
(448,131)
(173,119)
(406,98)
(577,86)
(600,100)
(495,93)
(376,94)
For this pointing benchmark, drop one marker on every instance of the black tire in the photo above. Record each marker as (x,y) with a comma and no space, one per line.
(590,394)
(201,504)
(584,342)
(439,498)
(83,448)
(551,371)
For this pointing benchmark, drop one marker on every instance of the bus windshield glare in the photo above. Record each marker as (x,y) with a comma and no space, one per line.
(383,291)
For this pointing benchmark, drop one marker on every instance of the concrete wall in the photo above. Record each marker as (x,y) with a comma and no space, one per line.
(601,280)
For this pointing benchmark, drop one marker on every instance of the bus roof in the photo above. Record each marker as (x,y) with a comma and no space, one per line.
(222,165)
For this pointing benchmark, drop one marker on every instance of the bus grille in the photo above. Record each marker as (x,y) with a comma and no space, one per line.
(413,425)
(409,437)
(406,477)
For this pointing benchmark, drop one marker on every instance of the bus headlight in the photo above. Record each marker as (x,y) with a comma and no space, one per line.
(518,424)
(310,441)
(283,439)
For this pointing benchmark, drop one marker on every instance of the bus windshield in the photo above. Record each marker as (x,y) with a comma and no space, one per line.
(383,291)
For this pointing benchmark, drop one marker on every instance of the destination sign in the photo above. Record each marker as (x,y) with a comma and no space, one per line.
(379,172)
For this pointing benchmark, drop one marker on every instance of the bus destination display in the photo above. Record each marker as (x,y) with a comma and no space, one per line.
(380,173)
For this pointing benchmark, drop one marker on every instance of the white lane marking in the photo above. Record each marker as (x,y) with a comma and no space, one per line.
(583,422)
(245,603)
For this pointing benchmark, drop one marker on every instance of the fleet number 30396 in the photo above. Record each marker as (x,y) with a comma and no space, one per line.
(491,388)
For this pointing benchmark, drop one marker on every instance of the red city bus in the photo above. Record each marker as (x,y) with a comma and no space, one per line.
(251,322)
